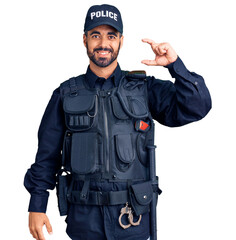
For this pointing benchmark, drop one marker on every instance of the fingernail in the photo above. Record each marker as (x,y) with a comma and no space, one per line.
(50,233)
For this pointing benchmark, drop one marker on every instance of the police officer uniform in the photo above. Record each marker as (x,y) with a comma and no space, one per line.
(103,128)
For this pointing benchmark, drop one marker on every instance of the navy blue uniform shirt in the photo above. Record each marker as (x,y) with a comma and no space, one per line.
(171,104)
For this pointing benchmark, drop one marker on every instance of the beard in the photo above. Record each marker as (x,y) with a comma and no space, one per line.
(100,61)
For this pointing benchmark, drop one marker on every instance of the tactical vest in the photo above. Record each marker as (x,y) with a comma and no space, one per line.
(107,132)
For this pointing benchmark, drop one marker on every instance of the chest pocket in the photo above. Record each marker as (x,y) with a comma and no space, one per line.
(132,96)
(80,111)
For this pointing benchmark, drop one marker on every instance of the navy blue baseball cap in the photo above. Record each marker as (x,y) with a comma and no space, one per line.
(103,15)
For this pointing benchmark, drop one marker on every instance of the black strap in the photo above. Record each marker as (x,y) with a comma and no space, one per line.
(73,86)
(100,198)
(155,186)
(85,190)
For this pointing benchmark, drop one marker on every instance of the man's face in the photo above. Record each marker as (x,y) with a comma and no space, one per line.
(103,44)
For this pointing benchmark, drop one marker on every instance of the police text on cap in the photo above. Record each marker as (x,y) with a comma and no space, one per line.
(106,13)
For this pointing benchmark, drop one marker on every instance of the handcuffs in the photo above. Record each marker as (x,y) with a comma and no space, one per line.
(127,210)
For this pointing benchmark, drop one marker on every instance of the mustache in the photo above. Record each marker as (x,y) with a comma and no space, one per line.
(103,49)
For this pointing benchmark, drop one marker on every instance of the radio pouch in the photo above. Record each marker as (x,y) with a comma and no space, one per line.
(62,185)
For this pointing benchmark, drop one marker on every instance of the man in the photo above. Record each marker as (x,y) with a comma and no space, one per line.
(102,123)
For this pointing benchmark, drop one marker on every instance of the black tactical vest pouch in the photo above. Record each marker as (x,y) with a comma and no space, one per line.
(125,151)
(84,152)
(62,184)
(80,111)
(141,197)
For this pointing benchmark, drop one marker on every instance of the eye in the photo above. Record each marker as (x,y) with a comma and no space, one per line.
(111,37)
(95,36)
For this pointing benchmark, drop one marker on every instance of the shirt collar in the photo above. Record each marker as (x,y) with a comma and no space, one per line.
(91,77)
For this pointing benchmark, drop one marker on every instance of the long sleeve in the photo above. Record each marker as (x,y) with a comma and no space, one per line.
(42,174)
(179,103)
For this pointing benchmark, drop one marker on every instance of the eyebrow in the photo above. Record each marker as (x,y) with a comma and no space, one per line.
(112,33)
(109,33)
(94,32)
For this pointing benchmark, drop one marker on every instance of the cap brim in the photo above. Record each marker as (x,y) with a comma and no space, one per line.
(103,23)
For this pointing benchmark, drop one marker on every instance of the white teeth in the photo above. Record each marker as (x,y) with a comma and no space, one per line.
(103,53)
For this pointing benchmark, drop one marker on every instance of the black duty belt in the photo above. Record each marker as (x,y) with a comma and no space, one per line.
(99,198)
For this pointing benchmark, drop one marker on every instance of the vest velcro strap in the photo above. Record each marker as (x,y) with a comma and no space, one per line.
(100,198)
(73,86)
(85,190)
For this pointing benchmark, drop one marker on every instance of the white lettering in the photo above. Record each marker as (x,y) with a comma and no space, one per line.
(92,15)
(99,14)
(103,15)
(111,14)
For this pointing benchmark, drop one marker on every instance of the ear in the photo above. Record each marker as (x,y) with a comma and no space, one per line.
(121,41)
(84,40)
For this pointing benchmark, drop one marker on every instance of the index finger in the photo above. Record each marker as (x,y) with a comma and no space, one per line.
(40,234)
(147,40)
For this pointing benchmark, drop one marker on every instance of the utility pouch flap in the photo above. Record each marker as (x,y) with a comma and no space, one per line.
(125,148)
(143,192)
(79,104)
(141,196)
(80,111)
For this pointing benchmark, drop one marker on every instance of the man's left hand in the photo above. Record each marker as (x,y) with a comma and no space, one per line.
(165,54)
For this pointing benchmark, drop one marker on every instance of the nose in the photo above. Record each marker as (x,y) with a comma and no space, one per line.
(104,43)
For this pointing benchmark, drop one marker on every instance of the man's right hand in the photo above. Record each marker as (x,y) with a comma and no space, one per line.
(36,222)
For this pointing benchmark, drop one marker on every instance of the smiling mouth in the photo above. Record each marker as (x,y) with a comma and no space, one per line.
(103,53)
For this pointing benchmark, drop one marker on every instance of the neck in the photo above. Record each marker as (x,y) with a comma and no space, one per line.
(103,72)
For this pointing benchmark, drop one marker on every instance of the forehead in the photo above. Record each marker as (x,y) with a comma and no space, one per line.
(103,29)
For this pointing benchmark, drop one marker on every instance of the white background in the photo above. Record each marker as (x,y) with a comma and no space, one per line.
(41,46)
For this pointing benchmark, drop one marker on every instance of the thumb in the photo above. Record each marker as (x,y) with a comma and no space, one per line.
(149,62)
(48,226)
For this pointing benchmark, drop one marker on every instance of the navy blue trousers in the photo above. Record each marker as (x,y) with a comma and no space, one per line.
(102,222)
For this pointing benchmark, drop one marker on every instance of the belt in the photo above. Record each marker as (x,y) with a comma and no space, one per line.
(99,197)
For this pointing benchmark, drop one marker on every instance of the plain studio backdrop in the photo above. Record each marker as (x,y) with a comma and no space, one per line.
(41,46)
